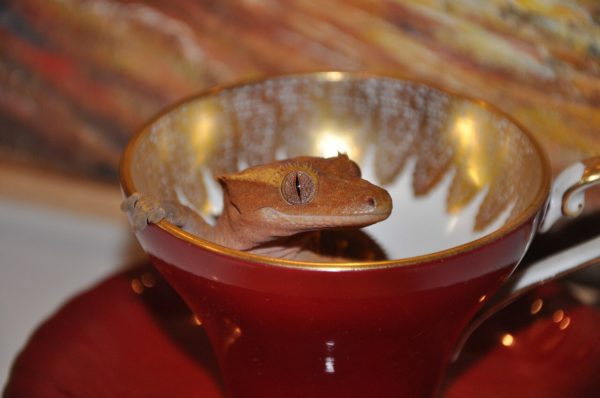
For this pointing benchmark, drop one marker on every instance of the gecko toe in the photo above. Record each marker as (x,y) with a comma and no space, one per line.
(139,221)
(156,215)
(129,203)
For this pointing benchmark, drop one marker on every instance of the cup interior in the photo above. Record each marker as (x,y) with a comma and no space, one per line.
(458,170)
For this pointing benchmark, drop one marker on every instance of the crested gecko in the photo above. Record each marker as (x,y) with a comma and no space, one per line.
(277,209)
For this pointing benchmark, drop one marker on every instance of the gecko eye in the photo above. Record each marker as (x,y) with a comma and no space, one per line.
(298,187)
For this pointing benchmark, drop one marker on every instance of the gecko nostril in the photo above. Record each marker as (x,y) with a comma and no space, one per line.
(371,202)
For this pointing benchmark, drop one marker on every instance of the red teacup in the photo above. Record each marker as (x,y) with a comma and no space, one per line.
(469,188)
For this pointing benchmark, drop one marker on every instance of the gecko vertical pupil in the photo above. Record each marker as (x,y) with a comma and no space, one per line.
(298,187)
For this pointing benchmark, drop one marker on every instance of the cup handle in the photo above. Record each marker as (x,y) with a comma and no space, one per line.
(566,200)
(567,195)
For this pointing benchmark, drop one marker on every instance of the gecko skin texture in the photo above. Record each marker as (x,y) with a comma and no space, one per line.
(277,209)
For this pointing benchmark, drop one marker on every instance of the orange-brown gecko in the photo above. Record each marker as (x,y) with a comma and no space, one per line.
(271,209)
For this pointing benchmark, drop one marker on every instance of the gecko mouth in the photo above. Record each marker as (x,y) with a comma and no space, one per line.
(324,221)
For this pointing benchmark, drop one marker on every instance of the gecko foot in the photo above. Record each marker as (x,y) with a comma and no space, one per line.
(146,209)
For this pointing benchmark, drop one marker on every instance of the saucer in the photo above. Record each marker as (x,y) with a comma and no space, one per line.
(131,336)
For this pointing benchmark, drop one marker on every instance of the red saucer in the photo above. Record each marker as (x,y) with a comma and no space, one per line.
(544,345)
(131,336)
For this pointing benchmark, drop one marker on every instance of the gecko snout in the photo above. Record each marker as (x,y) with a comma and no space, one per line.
(377,202)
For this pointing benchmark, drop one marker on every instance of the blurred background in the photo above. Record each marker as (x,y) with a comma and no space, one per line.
(78,77)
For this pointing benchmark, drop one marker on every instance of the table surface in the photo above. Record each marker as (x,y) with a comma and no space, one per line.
(48,255)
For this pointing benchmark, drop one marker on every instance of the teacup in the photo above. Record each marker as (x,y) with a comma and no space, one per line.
(470,187)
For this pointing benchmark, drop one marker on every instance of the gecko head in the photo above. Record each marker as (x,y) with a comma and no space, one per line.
(304,194)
